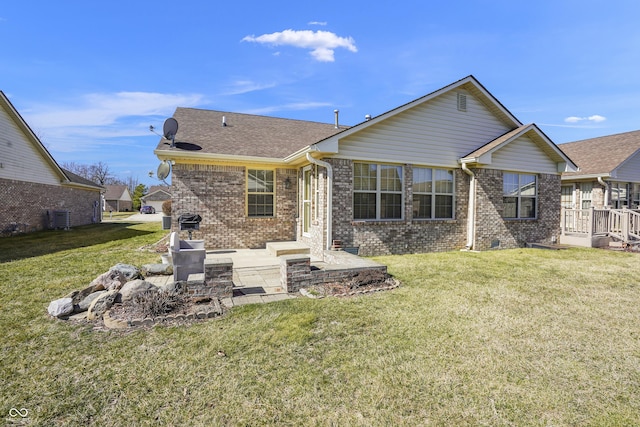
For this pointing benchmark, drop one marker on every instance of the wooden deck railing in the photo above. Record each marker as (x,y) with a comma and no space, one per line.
(622,224)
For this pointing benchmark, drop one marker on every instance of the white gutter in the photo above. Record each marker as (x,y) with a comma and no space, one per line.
(471,214)
(329,193)
(606,193)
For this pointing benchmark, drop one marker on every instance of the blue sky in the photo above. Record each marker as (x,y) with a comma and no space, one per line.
(91,77)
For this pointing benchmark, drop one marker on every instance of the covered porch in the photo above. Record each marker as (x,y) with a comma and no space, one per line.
(597,228)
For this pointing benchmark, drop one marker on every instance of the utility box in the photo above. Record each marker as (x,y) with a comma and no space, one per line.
(62,219)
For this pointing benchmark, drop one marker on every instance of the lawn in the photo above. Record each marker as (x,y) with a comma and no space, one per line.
(513,337)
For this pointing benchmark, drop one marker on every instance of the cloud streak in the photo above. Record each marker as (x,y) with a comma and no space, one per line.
(594,119)
(96,119)
(321,43)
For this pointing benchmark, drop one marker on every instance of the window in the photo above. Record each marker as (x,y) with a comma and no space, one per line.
(432,193)
(586,188)
(635,196)
(519,194)
(377,191)
(566,196)
(619,195)
(260,192)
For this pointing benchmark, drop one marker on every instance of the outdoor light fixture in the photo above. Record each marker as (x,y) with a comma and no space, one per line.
(287,183)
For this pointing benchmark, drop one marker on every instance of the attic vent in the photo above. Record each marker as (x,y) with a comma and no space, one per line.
(462,102)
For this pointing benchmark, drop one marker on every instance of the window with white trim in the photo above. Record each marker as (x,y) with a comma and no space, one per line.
(566,196)
(260,193)
(586,189)
(432,193)
(619,195)
(635,196)
(519,195)
(377,191)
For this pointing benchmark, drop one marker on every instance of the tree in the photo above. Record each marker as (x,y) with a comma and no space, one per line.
(138,192)
(100,174)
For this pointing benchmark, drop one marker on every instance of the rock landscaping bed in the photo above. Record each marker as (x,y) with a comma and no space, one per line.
(121,298)
(365,282)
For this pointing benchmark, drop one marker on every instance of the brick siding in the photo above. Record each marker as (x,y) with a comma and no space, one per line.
(492,231)
(218,195)
(24,205)
(415,236)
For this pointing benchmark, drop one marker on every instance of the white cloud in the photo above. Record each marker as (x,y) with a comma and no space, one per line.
(595,119)
(245,86)
(321,43)
(98,119)
(322,24)
(101,109)
(289,107)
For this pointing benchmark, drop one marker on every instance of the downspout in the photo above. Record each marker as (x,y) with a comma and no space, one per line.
(471,214)
(606,193)
(329,193)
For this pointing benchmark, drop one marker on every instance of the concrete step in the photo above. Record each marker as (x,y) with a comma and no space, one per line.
(287,248)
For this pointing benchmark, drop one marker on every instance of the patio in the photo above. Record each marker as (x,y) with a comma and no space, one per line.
(256,276)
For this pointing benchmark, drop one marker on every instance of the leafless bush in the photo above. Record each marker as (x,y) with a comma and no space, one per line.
(154,303)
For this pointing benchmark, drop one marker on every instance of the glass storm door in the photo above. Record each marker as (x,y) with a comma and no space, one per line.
(306,200)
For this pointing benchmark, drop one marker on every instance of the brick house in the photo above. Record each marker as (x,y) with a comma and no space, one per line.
(451,170)
(117,198)
(35,192)
(601,201)
(609,174)
(156,196)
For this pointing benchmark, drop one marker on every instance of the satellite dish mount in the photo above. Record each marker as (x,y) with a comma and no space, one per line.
(170,129)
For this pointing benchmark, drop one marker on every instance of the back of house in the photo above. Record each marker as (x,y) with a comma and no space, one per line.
(451,170)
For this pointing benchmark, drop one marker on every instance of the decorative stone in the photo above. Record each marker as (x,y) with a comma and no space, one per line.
(174,288)
(86,302)
(157,269)
(130,272)
(135,287)
(61,307)
(111,280)
(113,323)
(101,304)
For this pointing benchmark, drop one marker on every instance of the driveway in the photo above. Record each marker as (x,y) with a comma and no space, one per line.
(156,217)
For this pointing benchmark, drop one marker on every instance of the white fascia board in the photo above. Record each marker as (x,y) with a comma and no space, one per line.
(174,155)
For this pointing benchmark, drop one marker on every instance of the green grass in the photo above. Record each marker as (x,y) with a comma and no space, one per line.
(514,337)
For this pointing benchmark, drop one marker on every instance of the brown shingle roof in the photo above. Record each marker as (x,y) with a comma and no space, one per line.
(604,154)
(114,192)
(245,134)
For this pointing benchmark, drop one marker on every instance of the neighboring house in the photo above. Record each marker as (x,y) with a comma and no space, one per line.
(451,170)
(117,198)
(595,198)
(35,192)
(609,174)
(156,196)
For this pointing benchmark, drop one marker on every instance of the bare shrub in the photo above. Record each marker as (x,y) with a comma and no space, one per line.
(154,303)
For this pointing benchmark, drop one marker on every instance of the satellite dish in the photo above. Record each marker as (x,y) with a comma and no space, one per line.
(163,170)
(170,129)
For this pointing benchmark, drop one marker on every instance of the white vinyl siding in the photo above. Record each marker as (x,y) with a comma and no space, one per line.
(434,133)
(523,155)
(630,170)
(21,160)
